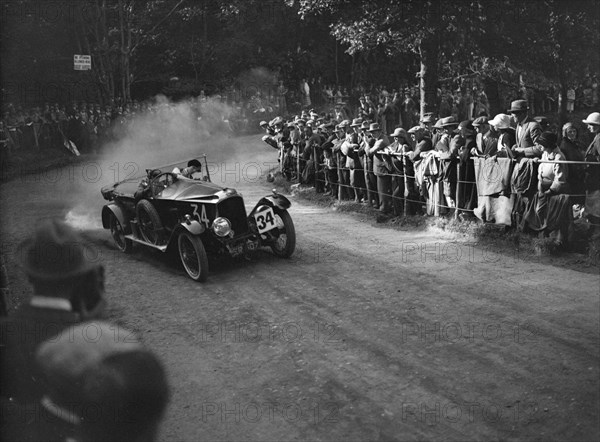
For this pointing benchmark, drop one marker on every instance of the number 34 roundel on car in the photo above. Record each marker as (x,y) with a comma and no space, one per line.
(265,220)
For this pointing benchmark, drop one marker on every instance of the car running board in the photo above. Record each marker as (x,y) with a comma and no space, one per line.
(140,241)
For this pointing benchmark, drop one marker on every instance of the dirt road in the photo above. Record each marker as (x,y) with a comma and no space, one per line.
(365,334)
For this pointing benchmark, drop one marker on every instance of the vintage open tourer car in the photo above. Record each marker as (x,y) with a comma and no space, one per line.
(168,210)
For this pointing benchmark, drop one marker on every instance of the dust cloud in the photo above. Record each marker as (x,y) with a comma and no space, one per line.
(166,136)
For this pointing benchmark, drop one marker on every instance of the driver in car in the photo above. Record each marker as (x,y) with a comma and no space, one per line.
(144,189)
(193,166)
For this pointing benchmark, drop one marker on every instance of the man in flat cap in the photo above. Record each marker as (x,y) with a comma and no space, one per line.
(527,132)
(427,123)
(68,286)
(421,141)
(486,140)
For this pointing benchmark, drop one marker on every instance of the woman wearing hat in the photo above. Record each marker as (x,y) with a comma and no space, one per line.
(550,210)
(552,177)
(506,135)
(573,152)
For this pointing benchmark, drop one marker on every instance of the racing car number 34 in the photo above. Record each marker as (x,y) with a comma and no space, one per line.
(265,220)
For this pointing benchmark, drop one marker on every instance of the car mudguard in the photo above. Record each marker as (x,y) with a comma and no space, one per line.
(116,210)
(193,226)
(275,201)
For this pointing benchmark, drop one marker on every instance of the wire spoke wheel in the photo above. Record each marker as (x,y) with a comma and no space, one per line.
(149,222)
(193,256)
(285,242)
(118,234)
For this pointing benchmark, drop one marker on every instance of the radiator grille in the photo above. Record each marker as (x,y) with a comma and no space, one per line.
(234,210)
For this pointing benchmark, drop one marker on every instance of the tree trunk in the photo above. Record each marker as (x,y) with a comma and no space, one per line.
(428,76)
(337,78)
(561,65)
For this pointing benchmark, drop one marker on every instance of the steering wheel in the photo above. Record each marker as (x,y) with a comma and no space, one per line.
(162,181)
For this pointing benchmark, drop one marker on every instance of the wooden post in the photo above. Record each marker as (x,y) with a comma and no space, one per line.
(315,166)
(458,185)
(298,162)
(406,191)
(339,174)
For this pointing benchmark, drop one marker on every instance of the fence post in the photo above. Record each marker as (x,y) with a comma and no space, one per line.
(406,190)
(298,162)
(315,167)
(458,186)
(339,174)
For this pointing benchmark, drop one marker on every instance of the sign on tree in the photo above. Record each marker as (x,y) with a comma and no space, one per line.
(82,62)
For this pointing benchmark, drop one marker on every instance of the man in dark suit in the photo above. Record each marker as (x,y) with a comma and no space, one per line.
(381,167)
(68,288)
(527,132)
(366,142)
(350,148)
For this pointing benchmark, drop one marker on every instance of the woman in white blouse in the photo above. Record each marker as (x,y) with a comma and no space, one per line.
(552,177)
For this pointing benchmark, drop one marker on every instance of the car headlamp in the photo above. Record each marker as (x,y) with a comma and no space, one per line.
(221,226)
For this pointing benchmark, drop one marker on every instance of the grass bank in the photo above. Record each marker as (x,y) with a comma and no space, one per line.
(583,253)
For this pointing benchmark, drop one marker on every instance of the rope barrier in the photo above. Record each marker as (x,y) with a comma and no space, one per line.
(341,175)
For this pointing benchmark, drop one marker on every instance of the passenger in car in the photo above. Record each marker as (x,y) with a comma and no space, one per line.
(193,166)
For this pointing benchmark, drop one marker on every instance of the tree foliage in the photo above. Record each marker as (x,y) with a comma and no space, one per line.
(138,46)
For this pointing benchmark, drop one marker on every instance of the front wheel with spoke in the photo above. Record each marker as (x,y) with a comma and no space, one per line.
(285,242)
(193,256)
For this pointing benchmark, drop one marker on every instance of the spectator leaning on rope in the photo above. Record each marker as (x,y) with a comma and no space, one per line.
(552,177)
(506,135)
(381,167)
(527,131)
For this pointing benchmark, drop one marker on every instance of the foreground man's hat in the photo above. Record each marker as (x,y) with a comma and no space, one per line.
(56,251)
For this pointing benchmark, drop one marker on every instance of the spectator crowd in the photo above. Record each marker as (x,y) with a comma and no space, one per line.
(82,127)
(512,169)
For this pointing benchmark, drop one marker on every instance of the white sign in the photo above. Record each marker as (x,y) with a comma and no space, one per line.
(82,62)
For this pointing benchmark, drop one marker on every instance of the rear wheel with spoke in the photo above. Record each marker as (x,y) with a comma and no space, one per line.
(118,233)
(149,222)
